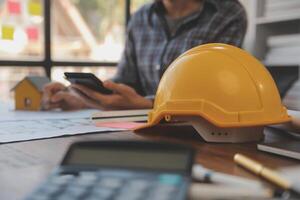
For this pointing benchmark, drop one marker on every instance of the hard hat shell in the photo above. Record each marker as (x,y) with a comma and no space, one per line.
(221,83)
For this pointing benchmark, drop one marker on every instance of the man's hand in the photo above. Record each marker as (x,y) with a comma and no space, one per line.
(124,97)
(56,95)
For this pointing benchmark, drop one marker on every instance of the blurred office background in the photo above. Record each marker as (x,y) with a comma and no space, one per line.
(91,33)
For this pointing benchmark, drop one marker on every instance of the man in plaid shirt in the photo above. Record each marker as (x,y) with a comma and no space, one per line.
(157,34)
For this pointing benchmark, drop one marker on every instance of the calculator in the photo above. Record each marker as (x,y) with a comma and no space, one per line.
(120,170)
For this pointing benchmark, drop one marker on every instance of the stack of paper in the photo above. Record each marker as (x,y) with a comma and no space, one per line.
(275,8)
(121,116)
(292,97)
(283,50)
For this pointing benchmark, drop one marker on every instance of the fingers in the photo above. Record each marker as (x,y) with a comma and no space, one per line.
(95,99)
(74,97)
(122,97)
(48,91)
(61,96)
(51,106)
(119,88)
(89,92)
(93,104)
(56,101)
(66,100)
(53,87)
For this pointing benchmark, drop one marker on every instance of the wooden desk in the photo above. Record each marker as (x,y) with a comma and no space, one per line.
(24,165)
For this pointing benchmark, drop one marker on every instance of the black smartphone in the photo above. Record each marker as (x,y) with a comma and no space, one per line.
(87,79)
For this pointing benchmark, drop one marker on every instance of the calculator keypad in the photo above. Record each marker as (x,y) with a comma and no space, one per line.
(112,185)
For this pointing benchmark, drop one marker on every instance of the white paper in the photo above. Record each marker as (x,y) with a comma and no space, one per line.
(29,125)
(12,131)
(35,115)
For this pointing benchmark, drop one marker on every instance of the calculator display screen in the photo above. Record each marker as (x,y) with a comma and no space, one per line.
(129,158)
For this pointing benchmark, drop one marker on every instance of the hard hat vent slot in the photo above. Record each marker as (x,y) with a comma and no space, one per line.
(219,133)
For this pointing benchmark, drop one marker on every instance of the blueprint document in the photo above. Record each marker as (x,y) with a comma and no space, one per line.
(28,125)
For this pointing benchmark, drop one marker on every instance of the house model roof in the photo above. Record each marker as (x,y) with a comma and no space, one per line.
(37,81)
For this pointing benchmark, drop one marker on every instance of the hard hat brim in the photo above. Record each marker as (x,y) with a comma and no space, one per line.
(161,116)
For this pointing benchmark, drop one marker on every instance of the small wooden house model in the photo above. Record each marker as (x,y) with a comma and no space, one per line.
(28,92)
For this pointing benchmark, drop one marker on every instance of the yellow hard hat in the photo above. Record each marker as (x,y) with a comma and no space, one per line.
(223,85)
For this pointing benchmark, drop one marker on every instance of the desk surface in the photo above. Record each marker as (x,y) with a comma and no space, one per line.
(24,165)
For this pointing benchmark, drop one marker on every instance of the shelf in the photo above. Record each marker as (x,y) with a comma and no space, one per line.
(263,25)
(279,64)
(276,19)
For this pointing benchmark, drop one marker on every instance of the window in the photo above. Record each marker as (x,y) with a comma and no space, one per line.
(69,35)
(21,35)
(136,4)
(95,30)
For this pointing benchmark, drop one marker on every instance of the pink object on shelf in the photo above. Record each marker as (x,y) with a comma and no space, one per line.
(122,125)
(13,7)
(32,33)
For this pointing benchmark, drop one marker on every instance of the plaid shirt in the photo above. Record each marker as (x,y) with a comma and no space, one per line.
(150,48)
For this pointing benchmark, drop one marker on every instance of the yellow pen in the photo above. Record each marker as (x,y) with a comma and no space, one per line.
(262,171)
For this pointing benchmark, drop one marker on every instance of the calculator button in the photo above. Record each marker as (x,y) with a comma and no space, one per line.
(101,193)
(61,180)
(81,183)
(64,197)
(49,189)
(169,179)
(138,184)
(110,182)
(162,192)
(165,189)
(158,196)
(92,176)
(93,198)
(75,191)
(128,195)
(113,173)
